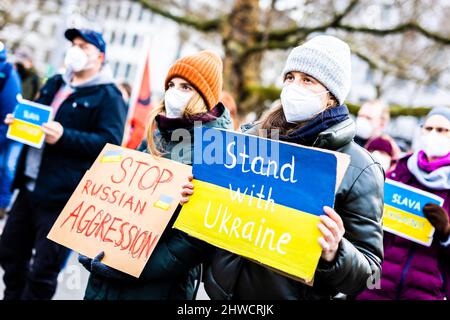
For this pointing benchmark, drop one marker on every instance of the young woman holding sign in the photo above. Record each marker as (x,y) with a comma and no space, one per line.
(316,82)
(412,271)
(193,85)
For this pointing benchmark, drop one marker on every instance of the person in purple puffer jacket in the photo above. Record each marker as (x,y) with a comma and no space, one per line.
(411,271)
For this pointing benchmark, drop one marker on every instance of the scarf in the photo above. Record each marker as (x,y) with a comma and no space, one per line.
(434,175)
(307,134)
(428,166)
(166,124)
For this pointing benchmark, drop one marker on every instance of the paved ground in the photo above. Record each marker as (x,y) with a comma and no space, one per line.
(72,280)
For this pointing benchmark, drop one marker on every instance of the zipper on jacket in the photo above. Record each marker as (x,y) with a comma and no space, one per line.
(405,271)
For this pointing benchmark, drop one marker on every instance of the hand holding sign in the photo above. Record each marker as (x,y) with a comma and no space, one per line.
(53,131)
(438,218)
(332,228)
(187,190)
(97,267)
(9,119)
(25,125)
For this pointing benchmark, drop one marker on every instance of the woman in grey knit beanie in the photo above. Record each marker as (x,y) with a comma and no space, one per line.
(317,79)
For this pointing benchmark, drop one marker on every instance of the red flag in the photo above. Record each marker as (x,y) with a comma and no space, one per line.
(140,109)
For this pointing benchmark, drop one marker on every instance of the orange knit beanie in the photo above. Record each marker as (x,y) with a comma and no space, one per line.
(204,71)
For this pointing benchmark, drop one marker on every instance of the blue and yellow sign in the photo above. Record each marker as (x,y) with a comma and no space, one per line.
(403,214)
(260,198)
(28,118)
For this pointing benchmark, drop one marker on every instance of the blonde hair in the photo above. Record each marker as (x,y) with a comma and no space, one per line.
(195,106)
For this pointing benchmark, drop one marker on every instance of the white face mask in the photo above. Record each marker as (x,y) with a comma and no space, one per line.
(435,144)
(364,128)
(77,60)
(175,102)
(300,104)
(383,159)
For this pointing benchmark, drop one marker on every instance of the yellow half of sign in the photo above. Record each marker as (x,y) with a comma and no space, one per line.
(407,225)
(26,131)
(277,236)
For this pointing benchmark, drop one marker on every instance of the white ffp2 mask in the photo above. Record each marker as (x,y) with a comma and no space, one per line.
(364,128)
(175,102)
(76,59)
(435,144)
(300,104)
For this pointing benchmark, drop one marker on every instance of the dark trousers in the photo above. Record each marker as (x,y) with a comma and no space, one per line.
(30,275)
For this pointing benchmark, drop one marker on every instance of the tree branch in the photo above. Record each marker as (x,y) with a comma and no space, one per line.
(194,22)
(282,35)
(410,26)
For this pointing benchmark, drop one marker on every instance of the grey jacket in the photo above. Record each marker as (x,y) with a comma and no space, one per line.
(359,202)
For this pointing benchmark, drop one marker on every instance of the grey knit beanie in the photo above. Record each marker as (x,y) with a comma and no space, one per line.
(327,59)
(442,111)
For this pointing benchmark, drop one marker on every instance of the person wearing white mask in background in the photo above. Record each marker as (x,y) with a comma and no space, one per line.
(412,271)
(192,89)
(317,79)
(88,112)
(372,119)
(385,151)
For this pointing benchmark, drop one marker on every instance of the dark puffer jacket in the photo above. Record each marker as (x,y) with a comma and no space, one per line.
(359,202)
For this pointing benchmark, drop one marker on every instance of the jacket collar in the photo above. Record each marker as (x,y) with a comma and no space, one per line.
(336,136)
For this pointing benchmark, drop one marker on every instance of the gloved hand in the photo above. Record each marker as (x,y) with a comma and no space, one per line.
(85,261)
(97,267)
(438,217)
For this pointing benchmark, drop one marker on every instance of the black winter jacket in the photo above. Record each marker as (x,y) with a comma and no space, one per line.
(91,116)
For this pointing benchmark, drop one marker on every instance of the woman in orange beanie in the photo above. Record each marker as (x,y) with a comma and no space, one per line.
(193,85)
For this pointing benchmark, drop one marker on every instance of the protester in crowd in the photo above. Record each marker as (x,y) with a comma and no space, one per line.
(192,85)
(9,149)
(125,89)
(384,150)
(89,112)
(227,99)
(317,78)
(372,120)
(23,57)
(413,271)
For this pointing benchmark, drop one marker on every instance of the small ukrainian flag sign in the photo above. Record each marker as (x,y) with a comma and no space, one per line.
(112,156)
(163,202)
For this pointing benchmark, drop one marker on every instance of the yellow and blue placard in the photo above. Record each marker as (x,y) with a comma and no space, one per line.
(403,214)
(28,118)
(260,199)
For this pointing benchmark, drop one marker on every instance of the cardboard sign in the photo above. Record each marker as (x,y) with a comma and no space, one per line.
(261,198)
(121,206)
(28,118)
(403,214)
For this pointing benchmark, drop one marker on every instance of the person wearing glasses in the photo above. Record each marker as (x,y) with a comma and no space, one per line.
(412,271)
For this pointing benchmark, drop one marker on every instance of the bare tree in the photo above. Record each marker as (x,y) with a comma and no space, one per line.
(406,50)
